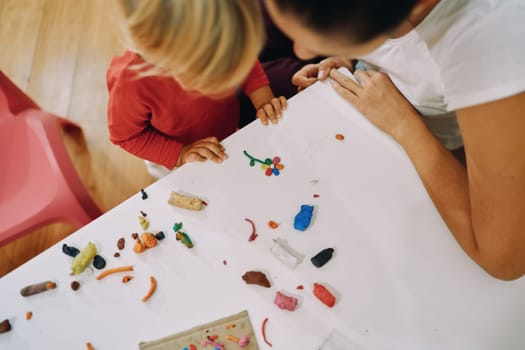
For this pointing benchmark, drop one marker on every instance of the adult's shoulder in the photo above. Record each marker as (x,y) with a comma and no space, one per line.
(477,45)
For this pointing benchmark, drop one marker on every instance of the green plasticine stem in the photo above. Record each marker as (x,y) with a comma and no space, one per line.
(252,158)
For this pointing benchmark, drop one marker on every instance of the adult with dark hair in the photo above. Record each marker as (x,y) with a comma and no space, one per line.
(438,75)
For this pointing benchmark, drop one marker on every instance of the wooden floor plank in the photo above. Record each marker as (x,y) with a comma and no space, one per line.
(19,27)
(70,46)
(56,54)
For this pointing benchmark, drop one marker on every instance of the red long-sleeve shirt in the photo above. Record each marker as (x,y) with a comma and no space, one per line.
(153,117)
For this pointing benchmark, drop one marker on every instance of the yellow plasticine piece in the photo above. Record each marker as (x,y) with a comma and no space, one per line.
(83,259)
(233,339)
(144,223)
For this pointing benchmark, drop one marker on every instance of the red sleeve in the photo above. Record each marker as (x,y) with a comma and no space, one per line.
(256,79)
(129,124)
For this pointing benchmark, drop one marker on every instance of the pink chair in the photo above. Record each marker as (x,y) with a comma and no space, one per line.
(38,182)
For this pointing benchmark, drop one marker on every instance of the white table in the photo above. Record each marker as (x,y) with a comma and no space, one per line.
(401,279)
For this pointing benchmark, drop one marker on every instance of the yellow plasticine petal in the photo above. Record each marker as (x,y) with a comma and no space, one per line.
(265,166)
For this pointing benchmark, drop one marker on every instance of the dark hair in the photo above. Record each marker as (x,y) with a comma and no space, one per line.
(358,20)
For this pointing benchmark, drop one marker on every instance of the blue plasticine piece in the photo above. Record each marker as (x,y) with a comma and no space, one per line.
(303,217)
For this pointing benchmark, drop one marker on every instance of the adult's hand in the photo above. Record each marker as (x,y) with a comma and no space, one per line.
(376,97)
(310,73)
(202,150)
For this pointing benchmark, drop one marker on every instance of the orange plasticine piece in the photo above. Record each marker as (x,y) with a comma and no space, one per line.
(324,295)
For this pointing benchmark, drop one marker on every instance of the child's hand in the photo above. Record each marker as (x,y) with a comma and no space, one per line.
(202,150)
(272,110)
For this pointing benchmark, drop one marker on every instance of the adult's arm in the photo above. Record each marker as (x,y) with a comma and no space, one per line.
(482,205)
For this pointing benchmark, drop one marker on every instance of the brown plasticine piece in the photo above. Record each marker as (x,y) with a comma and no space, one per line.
(256,277)
(5,326)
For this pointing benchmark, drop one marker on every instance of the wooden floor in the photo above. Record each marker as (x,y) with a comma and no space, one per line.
(57,51)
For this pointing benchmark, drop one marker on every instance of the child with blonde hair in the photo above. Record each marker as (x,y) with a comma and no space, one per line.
(173,96)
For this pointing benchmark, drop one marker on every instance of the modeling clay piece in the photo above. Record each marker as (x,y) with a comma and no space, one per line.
(322,257)
(263,330)
(270,166)
(29,315)
(324,295)
(37,288)
(160,235)
(5,326)
(139,247)
(244,341)
(254,234)
(186,202)
(152,288)
(184,238)
(177,226)
(273,225)
(284,253)
(256,277)
(285,302)
(121,243)
(99,262)
(144,223)
(218,346)
(75,285)
(149,239)
(69,250)
(340,137)
(303,218)
(89,346)
(143,213)
(83,259)
(127,278)
(114,270)
(144,194)
(233,339)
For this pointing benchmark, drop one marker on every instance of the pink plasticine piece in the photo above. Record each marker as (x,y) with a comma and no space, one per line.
(220,346)
(285,302)
(244,341)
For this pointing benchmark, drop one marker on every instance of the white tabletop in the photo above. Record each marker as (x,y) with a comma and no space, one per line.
(401,280)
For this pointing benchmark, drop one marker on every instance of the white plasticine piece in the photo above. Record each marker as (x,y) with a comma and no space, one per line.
(284,253)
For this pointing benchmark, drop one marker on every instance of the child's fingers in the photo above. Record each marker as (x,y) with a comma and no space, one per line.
(277,107)
(261,115)
(284,102)
(192,156)
(211,153)
(268,108)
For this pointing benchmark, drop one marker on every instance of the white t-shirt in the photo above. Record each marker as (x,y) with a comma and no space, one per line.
(464,53)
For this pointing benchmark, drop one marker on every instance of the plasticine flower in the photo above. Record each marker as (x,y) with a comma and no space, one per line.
(270,166)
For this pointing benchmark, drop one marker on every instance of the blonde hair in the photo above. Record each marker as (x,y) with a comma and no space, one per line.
(207,45)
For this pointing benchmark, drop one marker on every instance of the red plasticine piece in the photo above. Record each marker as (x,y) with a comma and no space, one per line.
(316,195)
(300,287)
(324,295)
(253,235)
(193,347)
(263,329)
